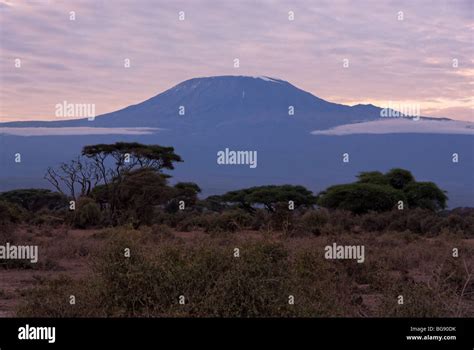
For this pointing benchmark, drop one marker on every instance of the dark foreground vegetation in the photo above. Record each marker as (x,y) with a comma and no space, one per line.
(116,239)
(125,272)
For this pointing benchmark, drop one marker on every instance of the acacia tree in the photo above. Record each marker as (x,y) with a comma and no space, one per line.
(373,177)
(114,160)
(399,178)
(425,195)
(360,198)
(269,196)
(381,192)
(107,164)
(137,195)
(183,191)
(35,199)
(79,177)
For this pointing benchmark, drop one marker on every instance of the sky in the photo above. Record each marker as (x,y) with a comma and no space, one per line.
(366,51)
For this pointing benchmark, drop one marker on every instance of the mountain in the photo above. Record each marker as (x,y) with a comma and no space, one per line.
(251,113)
(226,102)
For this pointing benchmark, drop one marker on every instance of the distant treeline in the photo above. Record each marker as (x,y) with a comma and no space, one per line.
(125,183)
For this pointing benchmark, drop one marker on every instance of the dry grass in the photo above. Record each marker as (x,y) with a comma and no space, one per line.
(165,264)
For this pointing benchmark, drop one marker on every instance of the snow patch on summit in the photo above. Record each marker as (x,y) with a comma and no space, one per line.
(266,79)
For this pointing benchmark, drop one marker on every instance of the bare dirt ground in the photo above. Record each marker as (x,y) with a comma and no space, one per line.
(63,258)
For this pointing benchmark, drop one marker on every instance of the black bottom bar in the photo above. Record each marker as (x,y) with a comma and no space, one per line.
(309,333)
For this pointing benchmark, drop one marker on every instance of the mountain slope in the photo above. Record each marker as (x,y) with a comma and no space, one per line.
(227,102)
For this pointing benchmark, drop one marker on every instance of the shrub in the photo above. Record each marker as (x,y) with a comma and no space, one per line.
(419,300)
(87,213)
(313,221)
(162,231)
(50,298)
(191,222)
(212,280)
(227,221)
(260,281)
(10,213)
(456,223)
(321,288)
(170,219)
(254,285)
(282,218)
(261,219)
(341,221)
(48,218)
(34,199)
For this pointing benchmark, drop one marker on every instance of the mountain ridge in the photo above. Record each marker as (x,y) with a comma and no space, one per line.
(226,101)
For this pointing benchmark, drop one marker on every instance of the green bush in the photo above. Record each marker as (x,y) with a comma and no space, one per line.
(425,195)
(399,178)
(360,198)
(34,199)
(379,192)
